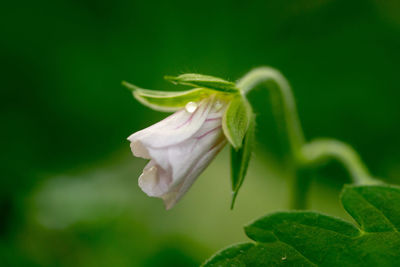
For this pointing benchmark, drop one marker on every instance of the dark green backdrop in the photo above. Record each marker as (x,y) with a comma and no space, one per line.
(65,116)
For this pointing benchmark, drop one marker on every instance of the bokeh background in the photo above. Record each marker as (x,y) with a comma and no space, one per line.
(68,185)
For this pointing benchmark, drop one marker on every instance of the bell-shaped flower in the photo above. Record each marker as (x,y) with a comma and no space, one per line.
(179,147)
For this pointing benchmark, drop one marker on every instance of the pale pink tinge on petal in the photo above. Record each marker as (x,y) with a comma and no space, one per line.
(179,159)
(180,148)
(174,129)
(139,150)
(154,180)
(184,157)
(173,197)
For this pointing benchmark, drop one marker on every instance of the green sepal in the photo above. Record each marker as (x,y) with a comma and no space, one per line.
(235,121)
(204,81)
(240,160)
(167,101)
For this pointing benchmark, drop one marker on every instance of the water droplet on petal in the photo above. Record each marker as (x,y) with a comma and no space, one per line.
(191,107)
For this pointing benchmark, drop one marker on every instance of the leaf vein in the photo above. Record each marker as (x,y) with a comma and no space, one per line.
(395,229)
(298,251)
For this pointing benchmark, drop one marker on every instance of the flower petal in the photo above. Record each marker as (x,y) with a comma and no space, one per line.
(174,196)
(154,180)
(180,148)
(139,150)
(171,165)
(174,129)
(178,160)
(183,157)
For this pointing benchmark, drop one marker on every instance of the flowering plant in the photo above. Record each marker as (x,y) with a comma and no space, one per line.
(181,146)
(216,112)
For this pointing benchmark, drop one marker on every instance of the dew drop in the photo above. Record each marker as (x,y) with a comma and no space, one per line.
(191,107)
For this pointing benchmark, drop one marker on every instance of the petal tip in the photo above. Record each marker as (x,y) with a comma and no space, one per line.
(139,150)
(148,181)
(169,201)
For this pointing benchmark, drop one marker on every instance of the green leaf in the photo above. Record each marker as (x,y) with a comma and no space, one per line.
(230,256)
(375,208)
(167,101)
(236,120)
(240,160)
(305,238)
(257,255)
(204,81)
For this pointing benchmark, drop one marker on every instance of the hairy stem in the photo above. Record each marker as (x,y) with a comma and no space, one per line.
(274,79)
(304,154)
(320,150)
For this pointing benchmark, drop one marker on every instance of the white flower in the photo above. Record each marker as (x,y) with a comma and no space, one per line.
(179,147)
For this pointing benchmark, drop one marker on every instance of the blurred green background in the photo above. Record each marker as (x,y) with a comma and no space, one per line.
(68,189)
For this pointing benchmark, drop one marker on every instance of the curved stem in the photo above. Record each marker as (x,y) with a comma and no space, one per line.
(273,78)
(304,154)
(321,150)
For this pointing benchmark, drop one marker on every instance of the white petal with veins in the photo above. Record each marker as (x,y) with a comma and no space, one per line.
(180,148)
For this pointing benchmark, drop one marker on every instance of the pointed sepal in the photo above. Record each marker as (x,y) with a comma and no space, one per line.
(240,159)
(236,120)
(204,81)
(167,101)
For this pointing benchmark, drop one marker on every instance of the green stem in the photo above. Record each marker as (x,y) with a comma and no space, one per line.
(274,79)
(299,188)
(320,150)
(304,154)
